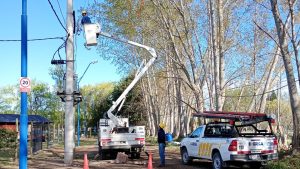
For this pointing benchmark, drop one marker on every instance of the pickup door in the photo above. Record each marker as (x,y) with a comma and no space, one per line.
(194,141)
(215,137)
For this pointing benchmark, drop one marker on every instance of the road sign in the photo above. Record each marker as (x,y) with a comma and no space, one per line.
(25,84)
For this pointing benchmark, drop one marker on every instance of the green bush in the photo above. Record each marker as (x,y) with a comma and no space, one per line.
(8,143)
(287,162)
(151,140)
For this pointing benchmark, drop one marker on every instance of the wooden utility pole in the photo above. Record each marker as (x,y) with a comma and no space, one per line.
(69,114)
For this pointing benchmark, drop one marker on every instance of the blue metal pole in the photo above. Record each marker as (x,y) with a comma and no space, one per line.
(85,118)
(78,119)
(23,115)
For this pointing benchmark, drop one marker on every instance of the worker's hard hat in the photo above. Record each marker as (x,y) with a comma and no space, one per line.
(162,125)
(83,11)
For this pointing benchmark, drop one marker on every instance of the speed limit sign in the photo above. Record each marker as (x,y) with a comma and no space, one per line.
(24,84)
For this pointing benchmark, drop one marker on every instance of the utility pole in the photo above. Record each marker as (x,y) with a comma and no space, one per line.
(69,114)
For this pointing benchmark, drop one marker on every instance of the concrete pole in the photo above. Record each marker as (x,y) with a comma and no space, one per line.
(69,114)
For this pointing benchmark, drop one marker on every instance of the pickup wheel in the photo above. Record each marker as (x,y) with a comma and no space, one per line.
(257,165)
(101,153)
(217,161)
(185,158)
(135,155)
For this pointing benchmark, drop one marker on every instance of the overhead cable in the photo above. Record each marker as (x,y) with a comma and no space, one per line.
(57,16)
(260,94)
(36,39)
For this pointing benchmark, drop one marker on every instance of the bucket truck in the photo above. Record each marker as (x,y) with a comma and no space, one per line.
(115,134)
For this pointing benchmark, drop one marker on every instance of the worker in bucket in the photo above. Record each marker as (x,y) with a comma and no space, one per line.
(85,19)
(161,139)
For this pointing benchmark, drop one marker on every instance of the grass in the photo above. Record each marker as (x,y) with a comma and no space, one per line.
(88,142)
(151,140)
(286,161)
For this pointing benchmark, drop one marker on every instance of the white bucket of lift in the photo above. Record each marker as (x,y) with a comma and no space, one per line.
(91,31)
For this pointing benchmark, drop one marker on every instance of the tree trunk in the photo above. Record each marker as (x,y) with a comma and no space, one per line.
(263,101)
(294,98)
(221,68)
(293,38)
(215,56)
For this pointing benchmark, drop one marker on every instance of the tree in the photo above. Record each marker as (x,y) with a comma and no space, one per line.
(9,100)
(282,33)
(218,55)
(133,108)
(96,101)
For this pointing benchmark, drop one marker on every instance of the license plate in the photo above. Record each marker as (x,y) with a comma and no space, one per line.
(254,157)
(256,143)
(255,151)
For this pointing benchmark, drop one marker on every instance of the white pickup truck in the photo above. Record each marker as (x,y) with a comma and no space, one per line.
(246,139)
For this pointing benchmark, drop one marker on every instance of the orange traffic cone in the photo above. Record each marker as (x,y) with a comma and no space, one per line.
(85,162)
(150,161)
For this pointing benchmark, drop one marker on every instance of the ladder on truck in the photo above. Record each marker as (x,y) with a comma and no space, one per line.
(243,117)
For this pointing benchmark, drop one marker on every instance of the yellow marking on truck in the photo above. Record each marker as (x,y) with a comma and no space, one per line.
(204,149)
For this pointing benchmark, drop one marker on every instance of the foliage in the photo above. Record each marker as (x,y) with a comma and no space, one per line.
(151,140)
(8,143)
(132,107)
(57,74)
(9,100)
(95,101)
(286,162)
(98,99)
(41,101)
(233,99)
(45,103)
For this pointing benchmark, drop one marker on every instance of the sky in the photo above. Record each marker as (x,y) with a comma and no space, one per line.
(42,23)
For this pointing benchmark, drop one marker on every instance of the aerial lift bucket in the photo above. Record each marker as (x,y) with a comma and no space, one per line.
(91,32)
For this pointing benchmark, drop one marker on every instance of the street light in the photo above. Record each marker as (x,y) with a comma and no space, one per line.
(78,105)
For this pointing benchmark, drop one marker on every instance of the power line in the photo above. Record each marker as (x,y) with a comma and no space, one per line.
(37,39)
(57,16)
(270,91)
(61,11)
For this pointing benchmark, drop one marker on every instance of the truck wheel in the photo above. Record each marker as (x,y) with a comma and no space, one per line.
(135,155)
(217,161)
(101,154)
(185,158)
(256,165)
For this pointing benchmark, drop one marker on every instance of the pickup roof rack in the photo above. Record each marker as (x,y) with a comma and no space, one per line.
(243,117)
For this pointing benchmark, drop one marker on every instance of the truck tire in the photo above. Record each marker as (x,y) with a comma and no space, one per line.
(135,155)
(217,161)
(256,165)
(101,154)
(185,158)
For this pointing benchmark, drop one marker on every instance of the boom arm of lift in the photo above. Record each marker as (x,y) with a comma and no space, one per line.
(116,121)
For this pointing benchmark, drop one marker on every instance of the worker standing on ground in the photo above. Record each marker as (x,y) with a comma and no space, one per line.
(85,19)
(161,139)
